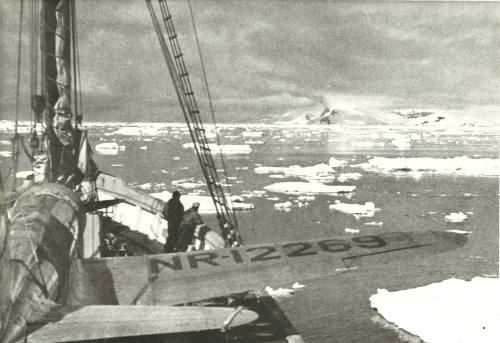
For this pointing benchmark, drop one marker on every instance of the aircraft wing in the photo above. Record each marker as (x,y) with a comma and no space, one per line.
(186,277)
(98,322)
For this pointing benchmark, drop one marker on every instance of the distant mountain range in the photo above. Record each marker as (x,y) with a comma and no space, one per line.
(327,116)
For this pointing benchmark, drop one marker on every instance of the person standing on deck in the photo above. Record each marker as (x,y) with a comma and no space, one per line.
(187,227)
(173,213)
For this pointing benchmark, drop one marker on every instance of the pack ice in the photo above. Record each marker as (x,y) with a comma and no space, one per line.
(463,165)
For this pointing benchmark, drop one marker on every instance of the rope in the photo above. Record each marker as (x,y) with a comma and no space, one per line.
(77,62)
(15,147)
(3,217)
(212,112)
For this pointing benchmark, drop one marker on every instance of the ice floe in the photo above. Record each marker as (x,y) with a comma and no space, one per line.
(320,172)
(306,198)
(255,142)
(451,311)
(253,194)
(349,176)
(308,188)
(453,217)
(374,223)
(273,198)
(283,206)
(351,231)
(463,166)
(334,163)
(297,285)
(187,183)
(109,148)
(226,149)
(252,134)
(5,153)
(462,232)
(357,210)
(280,292)
(402,142)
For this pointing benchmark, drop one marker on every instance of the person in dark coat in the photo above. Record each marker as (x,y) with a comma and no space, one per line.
(173,213)
(187,227)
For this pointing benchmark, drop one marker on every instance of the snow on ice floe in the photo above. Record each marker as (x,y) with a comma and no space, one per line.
(109,148)
(357,210)
(226,149)
(453,217)
(451,311)
(307,188)
(463,166)
(320,172)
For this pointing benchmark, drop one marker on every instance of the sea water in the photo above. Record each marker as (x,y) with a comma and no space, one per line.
(405,179)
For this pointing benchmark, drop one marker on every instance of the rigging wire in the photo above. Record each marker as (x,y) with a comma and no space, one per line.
(210,102)
(15,147)
(73,54)
(77,62)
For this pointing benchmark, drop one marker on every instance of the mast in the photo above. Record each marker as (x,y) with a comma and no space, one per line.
(47,44)
(56,87)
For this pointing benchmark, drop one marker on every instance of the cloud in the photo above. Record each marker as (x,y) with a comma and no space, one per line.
(269,57)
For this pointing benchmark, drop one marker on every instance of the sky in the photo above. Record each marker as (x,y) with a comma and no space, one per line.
(267,59)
